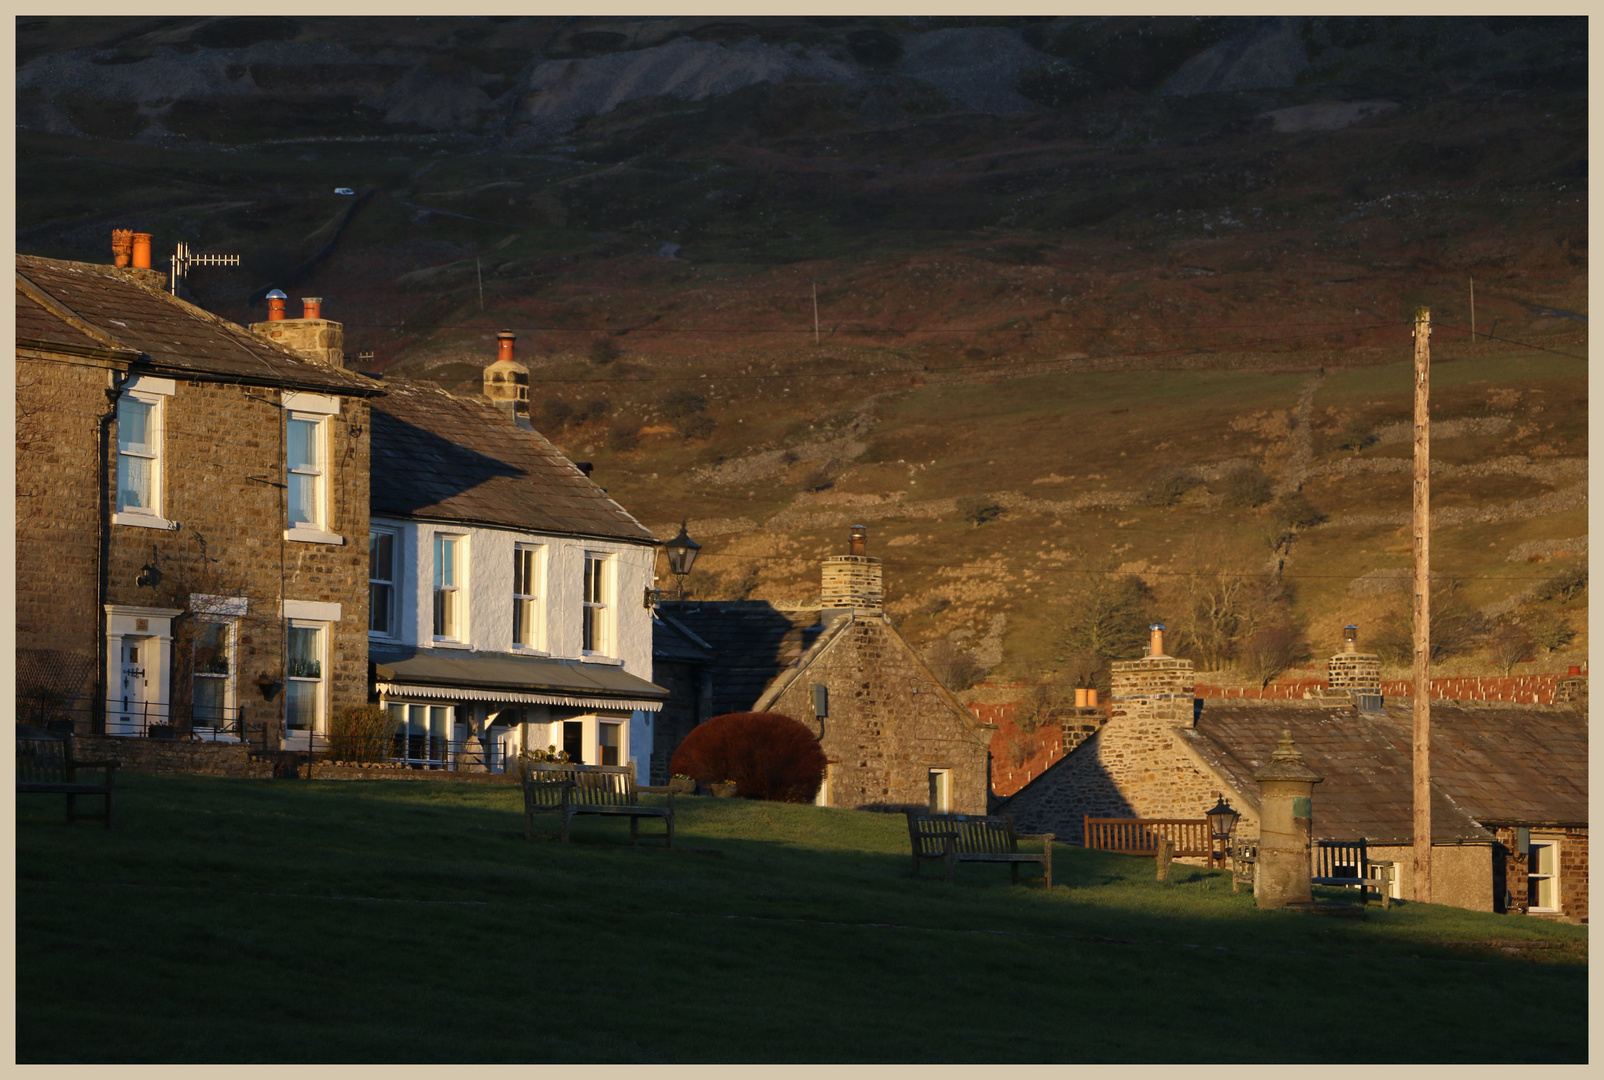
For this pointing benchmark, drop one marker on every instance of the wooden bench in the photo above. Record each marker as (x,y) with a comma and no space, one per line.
(45,766)
(956,838)
(1140,836)
(570,790)
(1347,863)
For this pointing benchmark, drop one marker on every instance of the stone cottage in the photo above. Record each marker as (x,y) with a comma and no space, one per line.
(1509,806)
(507,606)
(192,500)
(894,736)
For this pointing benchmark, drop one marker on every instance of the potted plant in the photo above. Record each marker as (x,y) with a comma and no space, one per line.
(725,790)
(680,784)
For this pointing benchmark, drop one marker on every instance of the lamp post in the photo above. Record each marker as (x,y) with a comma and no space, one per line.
(681,552)
(1222,819)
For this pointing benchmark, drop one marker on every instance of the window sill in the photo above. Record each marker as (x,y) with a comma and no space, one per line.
(312,536)
(525,650)
(449,643)
(598,658)
(143,521)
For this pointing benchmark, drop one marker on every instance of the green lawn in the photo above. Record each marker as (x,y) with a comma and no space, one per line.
(226,920)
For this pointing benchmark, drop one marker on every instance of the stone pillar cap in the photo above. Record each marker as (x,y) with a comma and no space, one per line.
(1287,764)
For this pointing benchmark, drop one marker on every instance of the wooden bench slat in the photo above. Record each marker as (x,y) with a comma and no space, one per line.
(956,838)
(603,790)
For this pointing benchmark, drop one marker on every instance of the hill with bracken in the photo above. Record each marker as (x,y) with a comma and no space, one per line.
(1091,321)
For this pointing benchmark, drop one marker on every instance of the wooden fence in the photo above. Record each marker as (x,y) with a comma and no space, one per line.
(1140,836)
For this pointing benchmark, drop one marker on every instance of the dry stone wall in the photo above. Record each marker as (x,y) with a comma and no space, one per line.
(173,756)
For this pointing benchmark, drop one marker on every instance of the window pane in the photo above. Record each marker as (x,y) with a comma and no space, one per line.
(445,613)
(133,482)
(588,629)
(305,659)
(445,561)
(593,581)
(381,556)
(133,425)
(302,499)
(210,699)
(1542,858)
(522,618)
(379,597)
(211,649)
(300,705)
(301,444)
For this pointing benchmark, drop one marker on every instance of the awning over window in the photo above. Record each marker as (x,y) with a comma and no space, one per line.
(529,680)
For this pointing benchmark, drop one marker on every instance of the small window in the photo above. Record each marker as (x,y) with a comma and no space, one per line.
(139,444)
(1542,876)
(526,597)
(608,742)
(940,791)
(307,494)
(595,635)
(303,670)
(382,582)
(447,588)
(213,673)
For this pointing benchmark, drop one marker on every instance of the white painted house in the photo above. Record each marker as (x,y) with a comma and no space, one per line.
(506,589)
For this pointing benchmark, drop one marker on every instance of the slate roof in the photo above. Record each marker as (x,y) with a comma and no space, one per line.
(87,305)
(507,672)
(464,459)
(1492,763)
(754,642)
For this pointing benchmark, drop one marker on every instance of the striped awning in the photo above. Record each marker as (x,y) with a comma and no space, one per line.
(515,697)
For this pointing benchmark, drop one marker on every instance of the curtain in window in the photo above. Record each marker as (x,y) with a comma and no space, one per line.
(134,453)
(302,454)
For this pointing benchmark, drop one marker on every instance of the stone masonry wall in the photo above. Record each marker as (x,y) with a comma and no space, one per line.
(1359,672)
(224,459)
(59,403)
(851,581)
(888,725)
(173,756)
(1133,767)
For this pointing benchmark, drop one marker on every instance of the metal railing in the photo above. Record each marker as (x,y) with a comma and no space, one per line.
(409,749)
(146,719)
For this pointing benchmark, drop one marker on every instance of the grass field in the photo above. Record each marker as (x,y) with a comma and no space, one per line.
(257,921)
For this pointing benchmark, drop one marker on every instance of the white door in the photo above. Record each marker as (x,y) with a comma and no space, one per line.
(129,709)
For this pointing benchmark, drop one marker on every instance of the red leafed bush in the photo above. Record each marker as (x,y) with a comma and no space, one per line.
(769,756)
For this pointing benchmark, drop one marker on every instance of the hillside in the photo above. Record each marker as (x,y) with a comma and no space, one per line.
(1078,272)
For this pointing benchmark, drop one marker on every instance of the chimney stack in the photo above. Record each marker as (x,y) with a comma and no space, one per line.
(141,251)
(853,582)
(275,306)
(311,307)
(506,382)
(1355,673)
(319,340)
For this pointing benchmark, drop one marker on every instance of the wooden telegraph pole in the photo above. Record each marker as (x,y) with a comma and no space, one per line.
(1422,620)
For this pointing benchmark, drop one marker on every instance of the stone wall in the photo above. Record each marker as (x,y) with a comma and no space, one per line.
(1354,672)
(173,756)
(325,771)
(320,340)
(1572,872)
(889,723)
(851,581)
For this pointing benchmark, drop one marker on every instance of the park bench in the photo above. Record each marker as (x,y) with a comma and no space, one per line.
(45,765)
(956,838)
(1347,863)
(569,790)
(1141,836)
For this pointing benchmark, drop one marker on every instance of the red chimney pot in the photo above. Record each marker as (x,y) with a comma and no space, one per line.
(311,307)
(504,342)
(142,251)
(275,306)
(122,246)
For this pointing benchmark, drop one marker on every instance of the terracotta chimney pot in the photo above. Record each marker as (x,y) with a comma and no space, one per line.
(504,342)
(275,306)
(859,541)
(1091,697)
(141,251)
(311,307)
(122,246)
(1080,697)
(1157,646)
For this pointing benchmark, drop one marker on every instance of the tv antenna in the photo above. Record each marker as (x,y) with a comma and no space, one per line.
(183,259)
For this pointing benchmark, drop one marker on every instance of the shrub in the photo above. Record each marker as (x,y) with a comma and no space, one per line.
(604,350)
(1295,511)
(1165,487)
(594,409)
(682,403)
(362,733)
(1270,650)
(623,435)
(769,756)
(979,509)
(697,426)
(958,669)
(1246,486)
(1356,436)
(1550,630)
(1564,586)
(1509,644)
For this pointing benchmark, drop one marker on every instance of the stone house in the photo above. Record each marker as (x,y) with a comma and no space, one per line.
(894,736)
(191,504)
(1509,806)
(507,591)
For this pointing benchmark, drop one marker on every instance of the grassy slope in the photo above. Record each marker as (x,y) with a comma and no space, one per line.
(387,921)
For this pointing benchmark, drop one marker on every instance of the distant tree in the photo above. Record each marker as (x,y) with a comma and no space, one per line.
(697,426)
(593,409)
(1246,486)
(1456,626)
(1270,650)
(1107,616)
(1221,608)
(1356,436)
(682,403)
(769,756)
(958,669)
(1509,644)
(1166,486)
(1563,587)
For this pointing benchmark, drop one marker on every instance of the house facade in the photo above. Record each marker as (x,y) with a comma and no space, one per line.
(1509,782)
(507,592)
(192,504)
(894,736)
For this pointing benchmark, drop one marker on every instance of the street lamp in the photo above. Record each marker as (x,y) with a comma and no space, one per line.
(681,552)
(1222,819)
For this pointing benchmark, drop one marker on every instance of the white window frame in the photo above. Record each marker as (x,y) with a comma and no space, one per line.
(599,613)
(946,790)
(1532,874)
(314,409)
(321,696)
(392,630)
(457,637)
(533,597)
(621,732)
(230,680)
(154,393)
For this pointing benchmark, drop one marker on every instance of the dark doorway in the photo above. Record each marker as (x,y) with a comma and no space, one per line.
(574,740)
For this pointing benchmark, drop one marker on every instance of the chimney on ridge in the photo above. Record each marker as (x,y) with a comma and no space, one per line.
(319,340)
(1355,673)
(507,381)
(852,582)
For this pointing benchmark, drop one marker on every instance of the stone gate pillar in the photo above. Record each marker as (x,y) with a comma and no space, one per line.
(1286,816)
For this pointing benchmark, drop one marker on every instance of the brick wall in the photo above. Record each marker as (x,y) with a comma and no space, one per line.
(1572,871)
(882,736)
(175,756)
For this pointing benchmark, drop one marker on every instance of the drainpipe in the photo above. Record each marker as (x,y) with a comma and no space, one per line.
(103,548)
